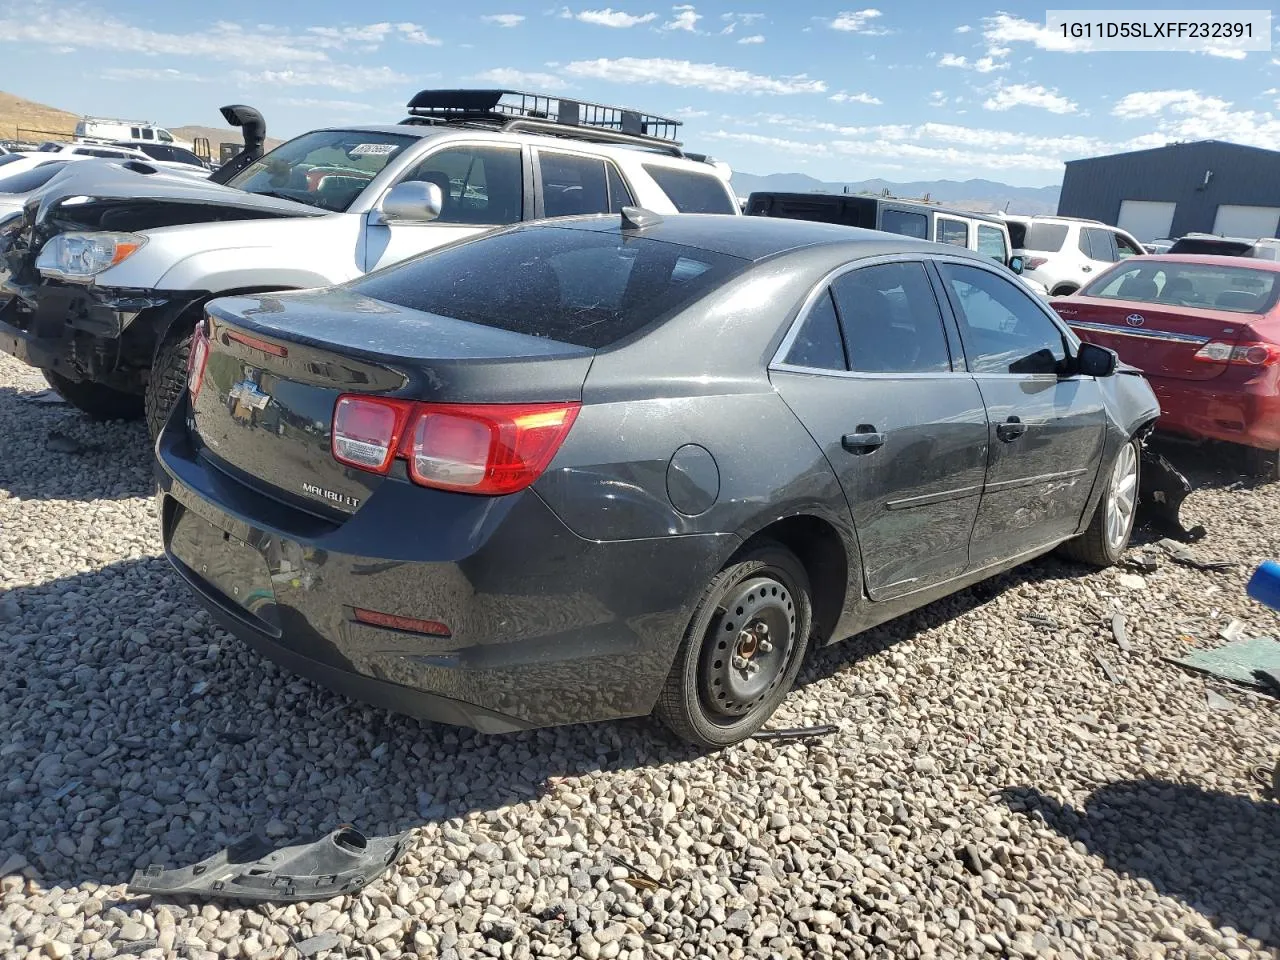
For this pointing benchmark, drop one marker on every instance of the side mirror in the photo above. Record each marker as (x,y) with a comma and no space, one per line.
(1095,361)
(1015,264)
(413,201)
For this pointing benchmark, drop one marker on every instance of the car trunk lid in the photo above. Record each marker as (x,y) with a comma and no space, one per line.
(1162,341)
(277,364)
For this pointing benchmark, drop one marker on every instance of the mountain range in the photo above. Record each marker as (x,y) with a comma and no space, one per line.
(983,196)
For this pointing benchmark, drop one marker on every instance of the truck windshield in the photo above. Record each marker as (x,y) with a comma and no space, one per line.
(326,168)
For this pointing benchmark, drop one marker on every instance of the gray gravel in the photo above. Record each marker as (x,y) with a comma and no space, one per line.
(990,791)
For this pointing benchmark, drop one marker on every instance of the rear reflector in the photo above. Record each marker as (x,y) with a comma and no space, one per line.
(413,625)
(1245,354)
(490,449)
(272,349)
(197,357)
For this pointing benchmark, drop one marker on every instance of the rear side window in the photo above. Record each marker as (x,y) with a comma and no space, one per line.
(904,223)
(954,232)
(818,344)
(1041,237)
(692,192)
(891,320)
(581,287)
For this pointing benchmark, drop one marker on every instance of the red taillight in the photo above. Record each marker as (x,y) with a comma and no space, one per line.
(366,431)
(488,449)
(1034,263)
(1247,354)
(412,624)
(197,357)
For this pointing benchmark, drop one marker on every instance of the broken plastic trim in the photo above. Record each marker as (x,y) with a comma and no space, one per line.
(1161,490)
(342,862)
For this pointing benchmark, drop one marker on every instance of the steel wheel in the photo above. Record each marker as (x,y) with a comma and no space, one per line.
(747,648)
(1122,497)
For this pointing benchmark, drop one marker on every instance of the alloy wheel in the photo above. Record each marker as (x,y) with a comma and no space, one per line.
(1122,497)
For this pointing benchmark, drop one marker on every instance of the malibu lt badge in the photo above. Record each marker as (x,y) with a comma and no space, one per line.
(338,498)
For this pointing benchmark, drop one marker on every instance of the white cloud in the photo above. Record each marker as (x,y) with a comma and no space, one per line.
(689,113)
(858,21)
(963,28)
(1003,29)
(352,79)
(686,18)
(507,77)
(153,74)
(1230,53)
(608,17)
(683,73)
(412,33)
(980,65)
(866,98)
(734,20)
(937,99)
(1029,95)
(1191,115)
(504,19)
(754,38)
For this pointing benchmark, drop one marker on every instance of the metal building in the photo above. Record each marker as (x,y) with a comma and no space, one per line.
(1207,186)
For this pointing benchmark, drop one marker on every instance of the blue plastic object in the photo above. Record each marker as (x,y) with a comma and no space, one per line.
(1264,585)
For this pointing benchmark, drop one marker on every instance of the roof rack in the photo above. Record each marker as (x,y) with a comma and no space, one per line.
(516,111)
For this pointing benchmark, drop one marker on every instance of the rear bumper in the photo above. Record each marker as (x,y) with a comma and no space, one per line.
(547,628)
(1246,412)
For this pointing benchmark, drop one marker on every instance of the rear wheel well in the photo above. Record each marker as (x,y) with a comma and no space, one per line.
(819,548)
(1062,289)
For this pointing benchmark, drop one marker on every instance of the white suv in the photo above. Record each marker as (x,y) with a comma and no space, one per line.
(1064,253)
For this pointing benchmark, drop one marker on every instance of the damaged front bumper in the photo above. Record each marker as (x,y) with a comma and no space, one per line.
(1161,491)
(93,333)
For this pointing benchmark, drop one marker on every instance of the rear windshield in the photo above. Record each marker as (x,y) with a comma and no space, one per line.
(1043,237)
(31,179)
(1237,289)
(1223,248)
(692,192)
(581,287)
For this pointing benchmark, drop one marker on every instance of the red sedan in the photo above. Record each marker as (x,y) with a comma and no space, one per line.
(1206,332)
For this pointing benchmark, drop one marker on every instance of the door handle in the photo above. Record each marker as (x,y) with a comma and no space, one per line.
(865,439)
(1010,430)
(1087,269)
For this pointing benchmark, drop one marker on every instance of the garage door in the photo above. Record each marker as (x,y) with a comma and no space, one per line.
(1146,219)
(1237,220)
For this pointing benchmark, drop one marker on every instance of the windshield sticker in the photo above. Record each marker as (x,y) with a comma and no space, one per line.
(371,150)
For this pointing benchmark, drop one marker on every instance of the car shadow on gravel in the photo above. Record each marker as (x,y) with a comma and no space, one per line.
(54,452)
(1216,852)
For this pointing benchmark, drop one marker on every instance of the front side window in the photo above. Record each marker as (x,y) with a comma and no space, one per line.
(326,168)
(991,244)
(692,192)
(818,344)
(904,223)
(1126,247)
(584,287)
(954,232)
(1003,329)
(31,179)
(891,320)
(480,184)
(166,136)
(1096,244)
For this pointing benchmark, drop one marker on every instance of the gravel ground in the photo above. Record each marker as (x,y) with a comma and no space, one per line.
(989,791)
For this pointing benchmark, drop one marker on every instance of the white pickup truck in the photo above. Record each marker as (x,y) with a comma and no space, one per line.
(109,265)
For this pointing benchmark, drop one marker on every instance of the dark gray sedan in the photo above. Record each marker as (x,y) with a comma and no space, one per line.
(598,468)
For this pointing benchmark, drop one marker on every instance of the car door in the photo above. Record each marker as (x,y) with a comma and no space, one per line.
(868,371)
(1099,249)
(1046,431)
(483,185)
(574,184)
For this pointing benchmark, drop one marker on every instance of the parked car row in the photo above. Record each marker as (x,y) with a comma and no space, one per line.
(622,459)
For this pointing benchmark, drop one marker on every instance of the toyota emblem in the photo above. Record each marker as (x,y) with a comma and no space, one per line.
(1135,320)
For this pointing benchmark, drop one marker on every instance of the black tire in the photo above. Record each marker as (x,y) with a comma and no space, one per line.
(168,375)
(94,399)
(1262,465)
(1094,546)
(697,701)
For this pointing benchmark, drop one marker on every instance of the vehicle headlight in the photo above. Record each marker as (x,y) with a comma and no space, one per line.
(81,256)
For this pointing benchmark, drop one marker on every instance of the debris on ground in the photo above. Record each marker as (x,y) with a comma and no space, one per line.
(1120,632)
(1107,669)
(1216,701)
(47,397)
(1144,560)
(1045,623)
(1233,631)
(1239,661)
(638,878)
(341,862)
(1181,553)
(1161,490)
(317,944)
(797,733)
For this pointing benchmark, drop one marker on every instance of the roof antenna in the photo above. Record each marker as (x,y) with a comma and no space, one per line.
(637,218)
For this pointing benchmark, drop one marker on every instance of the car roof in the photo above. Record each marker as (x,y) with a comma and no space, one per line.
(751,238)
(1210,259)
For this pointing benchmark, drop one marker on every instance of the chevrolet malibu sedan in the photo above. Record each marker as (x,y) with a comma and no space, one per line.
(603,467)
(1206,332)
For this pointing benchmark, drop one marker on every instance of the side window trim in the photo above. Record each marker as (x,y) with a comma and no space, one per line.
(1070,342)
(779,361)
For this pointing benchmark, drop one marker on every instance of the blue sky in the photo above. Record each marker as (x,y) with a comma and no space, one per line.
(908,91)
